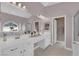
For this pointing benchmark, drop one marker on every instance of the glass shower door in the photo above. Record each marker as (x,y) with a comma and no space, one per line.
(76,35)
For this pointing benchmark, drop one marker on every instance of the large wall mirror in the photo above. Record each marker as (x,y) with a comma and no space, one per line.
(46,26)
(10,27)
(37,26)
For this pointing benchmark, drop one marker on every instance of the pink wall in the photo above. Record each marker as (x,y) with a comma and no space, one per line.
(66,8)
(35,8)
(8,17)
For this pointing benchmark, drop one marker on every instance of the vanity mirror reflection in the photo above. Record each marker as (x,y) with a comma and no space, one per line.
(10,27)
(10,30)
(37,26)
(46,26)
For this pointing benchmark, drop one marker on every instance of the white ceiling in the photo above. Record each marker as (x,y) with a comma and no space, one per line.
(45,4)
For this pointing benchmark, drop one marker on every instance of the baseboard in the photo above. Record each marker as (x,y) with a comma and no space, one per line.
(51,44)
(60,41)
(46,47)
(36,47)
(69,49)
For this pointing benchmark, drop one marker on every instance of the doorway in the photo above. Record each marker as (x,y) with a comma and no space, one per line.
(59,32)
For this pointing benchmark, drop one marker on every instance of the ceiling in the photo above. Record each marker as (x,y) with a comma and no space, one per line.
(45,4)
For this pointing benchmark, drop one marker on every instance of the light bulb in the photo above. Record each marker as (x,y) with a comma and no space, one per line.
(14,2)
(19,4)
(24,7)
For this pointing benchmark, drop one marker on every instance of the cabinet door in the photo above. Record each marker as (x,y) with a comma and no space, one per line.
(28,48)
(27,51)
(10,52)
(20,49)
(46,40)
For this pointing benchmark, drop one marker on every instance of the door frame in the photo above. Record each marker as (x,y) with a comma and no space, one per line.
(55,38)
(73,32)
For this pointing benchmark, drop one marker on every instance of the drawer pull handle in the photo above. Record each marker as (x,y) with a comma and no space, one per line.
(21,52)
(13,49)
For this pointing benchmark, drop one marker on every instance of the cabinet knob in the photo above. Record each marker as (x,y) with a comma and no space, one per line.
(13,49)
(21,52)
(24,50)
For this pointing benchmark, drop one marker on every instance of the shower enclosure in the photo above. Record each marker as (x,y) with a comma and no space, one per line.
(76,34)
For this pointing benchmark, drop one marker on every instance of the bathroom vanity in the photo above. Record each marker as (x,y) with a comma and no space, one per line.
(23,45)
(16,42)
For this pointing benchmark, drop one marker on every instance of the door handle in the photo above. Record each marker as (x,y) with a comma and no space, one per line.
(13,49)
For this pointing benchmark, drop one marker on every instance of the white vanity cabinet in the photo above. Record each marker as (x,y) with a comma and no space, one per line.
(11,51)
(46,40)
(19,47)
(22,49)
(28,49)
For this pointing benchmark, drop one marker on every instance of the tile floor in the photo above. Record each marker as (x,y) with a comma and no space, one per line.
(52,51)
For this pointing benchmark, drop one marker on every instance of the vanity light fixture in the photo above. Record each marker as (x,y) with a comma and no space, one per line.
(19,4)
(14,3)
(41,17)
(24,7)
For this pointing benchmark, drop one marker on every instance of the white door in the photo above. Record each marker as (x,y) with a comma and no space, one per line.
(76,35)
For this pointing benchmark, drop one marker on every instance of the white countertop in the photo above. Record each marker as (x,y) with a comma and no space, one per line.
(12,41)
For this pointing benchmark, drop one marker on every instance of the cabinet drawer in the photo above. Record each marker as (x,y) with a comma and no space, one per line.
(10,52)
(19,49)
